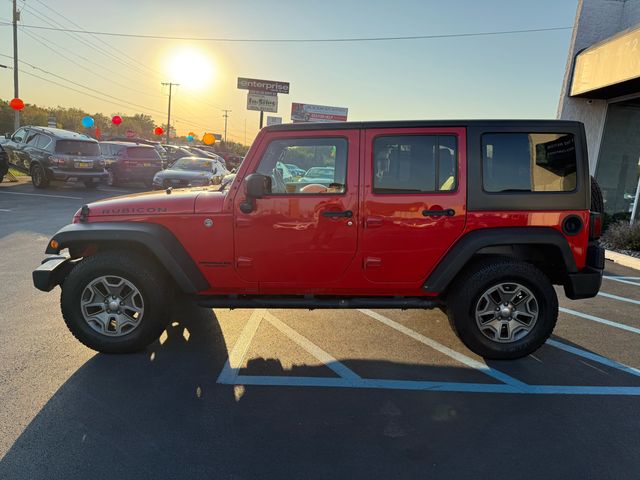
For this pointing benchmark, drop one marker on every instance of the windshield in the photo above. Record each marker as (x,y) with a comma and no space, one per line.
(198,164)
(319,172)
(78,147)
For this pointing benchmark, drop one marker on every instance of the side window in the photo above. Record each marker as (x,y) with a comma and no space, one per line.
(321,165)
(414,163)
(105,149)
(528,162)
(20,135)
(30,139)
(43,142)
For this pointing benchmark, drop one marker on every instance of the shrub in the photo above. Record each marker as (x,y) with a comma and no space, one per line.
(623,236)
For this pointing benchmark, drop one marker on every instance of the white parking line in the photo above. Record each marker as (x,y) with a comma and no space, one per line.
(312,348)
(418,385)
(349,379)
(621,280)
(594,357)
(41,195)
(621,299)
(4,210)
(604,321)
(470,362)
(232,366)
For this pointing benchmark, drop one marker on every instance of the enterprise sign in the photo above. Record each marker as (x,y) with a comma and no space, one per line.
(266,86)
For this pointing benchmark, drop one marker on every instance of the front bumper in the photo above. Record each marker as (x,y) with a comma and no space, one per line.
(51,272)
(587,282)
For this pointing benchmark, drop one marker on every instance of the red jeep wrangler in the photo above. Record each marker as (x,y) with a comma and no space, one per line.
(478,218)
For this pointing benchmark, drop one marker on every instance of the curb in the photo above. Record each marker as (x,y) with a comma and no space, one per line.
(622,259)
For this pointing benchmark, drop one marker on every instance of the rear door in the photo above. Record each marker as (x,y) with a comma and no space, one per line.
(414,201)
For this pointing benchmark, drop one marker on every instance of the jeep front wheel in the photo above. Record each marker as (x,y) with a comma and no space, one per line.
(115,302)
(503,308)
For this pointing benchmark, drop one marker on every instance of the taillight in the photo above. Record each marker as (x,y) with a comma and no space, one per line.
(56,161)
(595,225)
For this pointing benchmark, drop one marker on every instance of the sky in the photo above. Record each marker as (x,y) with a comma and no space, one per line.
(497,76)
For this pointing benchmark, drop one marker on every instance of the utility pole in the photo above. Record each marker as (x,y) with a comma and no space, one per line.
(226,115)
(169,109)
(16,17)
(245,130)
(261,118)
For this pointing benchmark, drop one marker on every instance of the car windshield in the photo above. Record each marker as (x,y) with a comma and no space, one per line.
(198,164)
(78,147)
(320,172)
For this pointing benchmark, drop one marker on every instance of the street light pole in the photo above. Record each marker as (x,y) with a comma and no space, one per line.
(169,109)
(16,118)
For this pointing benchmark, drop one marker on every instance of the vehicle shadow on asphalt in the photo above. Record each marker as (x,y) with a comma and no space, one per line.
(161,414)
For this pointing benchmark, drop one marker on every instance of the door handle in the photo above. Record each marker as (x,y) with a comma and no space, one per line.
(333,214)
(449,212)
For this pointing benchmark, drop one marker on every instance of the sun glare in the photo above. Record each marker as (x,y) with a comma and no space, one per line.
(190,68)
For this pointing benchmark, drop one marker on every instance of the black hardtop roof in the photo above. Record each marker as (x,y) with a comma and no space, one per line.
(422,123)
(61,134)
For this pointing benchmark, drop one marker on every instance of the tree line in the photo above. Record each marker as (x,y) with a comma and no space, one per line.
(71,119)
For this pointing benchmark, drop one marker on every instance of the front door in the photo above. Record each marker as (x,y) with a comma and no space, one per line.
(414,205)
(304,233)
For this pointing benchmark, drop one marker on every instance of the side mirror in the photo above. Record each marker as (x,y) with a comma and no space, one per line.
(256,186)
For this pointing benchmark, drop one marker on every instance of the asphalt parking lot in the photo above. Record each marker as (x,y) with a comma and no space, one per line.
(305,394)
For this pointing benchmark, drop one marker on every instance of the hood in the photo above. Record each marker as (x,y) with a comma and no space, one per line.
(178,202)
(183,174)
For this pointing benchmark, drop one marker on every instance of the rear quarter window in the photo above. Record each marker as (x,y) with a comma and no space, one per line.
(528,162)
(78,147)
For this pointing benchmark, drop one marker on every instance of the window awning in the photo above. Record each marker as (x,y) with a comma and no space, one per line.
(610,68)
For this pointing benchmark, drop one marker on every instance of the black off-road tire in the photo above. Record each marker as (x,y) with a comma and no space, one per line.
(39,176)
(467,290)
(597,200)
(144,274)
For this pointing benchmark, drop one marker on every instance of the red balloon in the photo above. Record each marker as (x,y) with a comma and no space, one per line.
(16,104)
(116,120)
(158,131)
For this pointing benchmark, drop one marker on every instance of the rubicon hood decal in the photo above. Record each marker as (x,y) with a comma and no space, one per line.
(178,202)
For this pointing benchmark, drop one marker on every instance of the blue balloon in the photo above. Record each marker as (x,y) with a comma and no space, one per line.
(87,122)
(189,138)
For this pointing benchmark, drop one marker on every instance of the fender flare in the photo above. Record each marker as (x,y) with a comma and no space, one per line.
(466,247)
(157,239)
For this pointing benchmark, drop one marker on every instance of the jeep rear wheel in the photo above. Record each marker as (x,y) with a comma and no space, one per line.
(502,308)
(115,302)
(39,176)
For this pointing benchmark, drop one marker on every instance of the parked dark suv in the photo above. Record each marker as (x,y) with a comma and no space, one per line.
(130,162)
(52,154)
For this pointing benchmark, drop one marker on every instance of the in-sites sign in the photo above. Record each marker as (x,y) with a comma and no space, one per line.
(264,86)
(262,102)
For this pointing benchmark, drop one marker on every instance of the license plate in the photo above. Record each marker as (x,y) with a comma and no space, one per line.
(83,164)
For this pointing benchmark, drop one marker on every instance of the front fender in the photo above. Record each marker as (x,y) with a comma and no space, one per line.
(154,238)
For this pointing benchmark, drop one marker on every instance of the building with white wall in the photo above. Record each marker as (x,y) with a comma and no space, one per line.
(601,88)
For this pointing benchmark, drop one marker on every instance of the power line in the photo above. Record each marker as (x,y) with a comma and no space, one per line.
(301,40)
(108,45)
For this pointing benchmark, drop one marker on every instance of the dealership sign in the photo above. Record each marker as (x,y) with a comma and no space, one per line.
(305,112)
(274,121)
(262,102)
(264,86)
